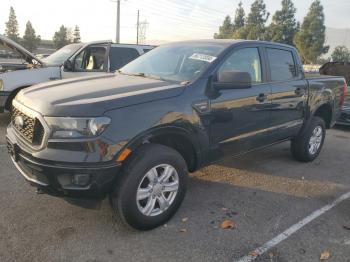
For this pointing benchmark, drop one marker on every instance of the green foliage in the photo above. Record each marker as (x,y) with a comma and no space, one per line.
(30,40)
(62,37)
(255,24)
(11,30)
(310,40)
(341,54)
(284,25)
(239,17)
(76,35)
(226,30)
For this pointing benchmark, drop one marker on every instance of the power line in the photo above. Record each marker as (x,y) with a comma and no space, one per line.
(165,10)
(159,12)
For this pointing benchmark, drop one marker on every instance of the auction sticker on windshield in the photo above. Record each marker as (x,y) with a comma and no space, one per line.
(203,57)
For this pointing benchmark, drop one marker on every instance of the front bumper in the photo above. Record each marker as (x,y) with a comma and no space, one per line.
(3,99)
(58,179)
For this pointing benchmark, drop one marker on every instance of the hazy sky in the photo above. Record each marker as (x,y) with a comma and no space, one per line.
(169,20)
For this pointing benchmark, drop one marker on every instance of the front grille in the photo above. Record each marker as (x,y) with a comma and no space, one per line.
(30,128)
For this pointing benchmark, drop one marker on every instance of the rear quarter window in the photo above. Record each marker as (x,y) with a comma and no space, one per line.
(120,56)
(282,64)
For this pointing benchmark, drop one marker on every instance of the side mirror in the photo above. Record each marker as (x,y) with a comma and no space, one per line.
(233,80)
(68,65)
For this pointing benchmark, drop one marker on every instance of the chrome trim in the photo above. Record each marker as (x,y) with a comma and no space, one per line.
(26,176)
(285,125)
(33,114)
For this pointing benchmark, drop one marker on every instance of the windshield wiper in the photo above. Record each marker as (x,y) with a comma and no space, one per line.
(143,75)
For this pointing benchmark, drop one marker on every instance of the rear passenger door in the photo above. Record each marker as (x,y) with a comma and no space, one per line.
(120,56)
(289,91)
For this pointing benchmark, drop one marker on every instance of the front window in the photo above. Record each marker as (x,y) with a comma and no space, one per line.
(62,54)
(174,62)
(246,60)
(91,58)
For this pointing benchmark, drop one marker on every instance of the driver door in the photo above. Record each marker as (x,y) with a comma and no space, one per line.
(92,60)
(241,117)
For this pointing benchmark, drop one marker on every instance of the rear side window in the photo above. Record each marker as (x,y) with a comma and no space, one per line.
(282,64)
(120,56)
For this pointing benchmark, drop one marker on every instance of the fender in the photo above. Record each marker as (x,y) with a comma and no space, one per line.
(147,135)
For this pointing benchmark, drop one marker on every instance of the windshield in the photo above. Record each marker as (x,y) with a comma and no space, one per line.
(62,54)
(174,62)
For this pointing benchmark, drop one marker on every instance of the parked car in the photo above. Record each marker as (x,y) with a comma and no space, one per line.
(21,69)
(340,69)
(135,135)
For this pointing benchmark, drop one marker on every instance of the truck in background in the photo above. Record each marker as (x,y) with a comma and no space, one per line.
(20,69)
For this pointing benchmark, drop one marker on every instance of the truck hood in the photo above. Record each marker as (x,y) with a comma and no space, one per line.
(92,96)
(27,56)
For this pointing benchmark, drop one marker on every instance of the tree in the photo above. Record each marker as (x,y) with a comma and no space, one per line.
(76,35)
(310,39)
(255,25)
(341,54)
(61,37)
(239,17)
(284,25)
(30,39)
(11,30)
(226,30)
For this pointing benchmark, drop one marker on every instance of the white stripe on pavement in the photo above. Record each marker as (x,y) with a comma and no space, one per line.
(287,233)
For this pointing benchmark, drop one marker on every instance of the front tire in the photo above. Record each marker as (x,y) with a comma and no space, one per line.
(151,187)
(308,144)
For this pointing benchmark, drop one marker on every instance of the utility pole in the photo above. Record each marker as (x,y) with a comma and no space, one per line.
(138,26)
(117,33)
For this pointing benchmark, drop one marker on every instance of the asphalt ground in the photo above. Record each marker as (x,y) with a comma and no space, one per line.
(264,193)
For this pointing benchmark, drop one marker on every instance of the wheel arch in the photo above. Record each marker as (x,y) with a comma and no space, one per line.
(13,95)
(324,111)
(178,138)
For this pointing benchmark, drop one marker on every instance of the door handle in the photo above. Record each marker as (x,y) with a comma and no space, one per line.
(300,91)
(261,98)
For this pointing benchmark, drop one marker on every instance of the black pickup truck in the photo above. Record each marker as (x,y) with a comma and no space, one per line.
(135,135)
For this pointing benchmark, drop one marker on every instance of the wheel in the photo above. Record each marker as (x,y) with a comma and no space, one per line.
(151,187)
(308,144)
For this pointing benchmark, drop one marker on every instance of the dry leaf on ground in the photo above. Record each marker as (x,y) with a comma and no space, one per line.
(183,230)
(325,255)
(185,219)
(228,224)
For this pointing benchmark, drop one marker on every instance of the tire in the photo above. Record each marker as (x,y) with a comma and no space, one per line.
(136,177)
(308,144)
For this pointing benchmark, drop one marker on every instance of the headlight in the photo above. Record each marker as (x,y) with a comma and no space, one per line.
(67,127)
(1,85)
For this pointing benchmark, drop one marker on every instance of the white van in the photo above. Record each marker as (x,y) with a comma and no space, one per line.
(19,68)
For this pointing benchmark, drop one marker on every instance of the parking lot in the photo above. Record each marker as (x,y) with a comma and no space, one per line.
(264,193)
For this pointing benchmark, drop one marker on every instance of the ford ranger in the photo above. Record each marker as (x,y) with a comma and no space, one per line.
(135,135)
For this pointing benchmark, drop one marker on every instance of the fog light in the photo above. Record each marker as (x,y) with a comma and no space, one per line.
(64,179)
(81,179)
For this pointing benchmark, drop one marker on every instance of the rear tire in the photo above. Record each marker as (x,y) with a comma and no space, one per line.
(151,187)
(308,144)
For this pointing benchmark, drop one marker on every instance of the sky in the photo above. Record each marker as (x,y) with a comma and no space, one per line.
(167,20)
